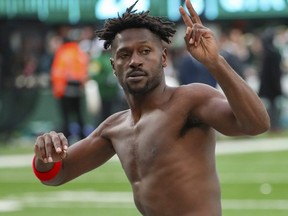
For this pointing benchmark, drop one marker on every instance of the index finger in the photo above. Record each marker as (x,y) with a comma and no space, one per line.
(194,16)
(187,20)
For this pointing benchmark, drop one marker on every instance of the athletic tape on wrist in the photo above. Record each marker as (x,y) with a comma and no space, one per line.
(46,176)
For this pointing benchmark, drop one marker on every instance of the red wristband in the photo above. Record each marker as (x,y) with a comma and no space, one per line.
(46,176)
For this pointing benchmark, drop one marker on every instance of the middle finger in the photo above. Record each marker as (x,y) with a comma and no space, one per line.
(186,18)
(48,147)
(194,16)
(56,142)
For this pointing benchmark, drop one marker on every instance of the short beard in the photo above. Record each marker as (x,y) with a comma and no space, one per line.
(135,92)
(150,85)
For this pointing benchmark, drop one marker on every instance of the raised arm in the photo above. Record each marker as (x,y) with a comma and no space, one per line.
(242,112)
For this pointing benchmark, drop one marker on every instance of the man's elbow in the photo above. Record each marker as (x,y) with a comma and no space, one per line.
(53,184)
(259,128)
(57,181)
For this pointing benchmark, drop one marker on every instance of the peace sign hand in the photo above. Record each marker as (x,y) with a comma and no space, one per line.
(200,41)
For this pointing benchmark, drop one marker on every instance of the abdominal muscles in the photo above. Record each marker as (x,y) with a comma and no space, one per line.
(178,188)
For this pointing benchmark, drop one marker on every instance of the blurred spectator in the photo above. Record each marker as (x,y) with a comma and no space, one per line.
(229,50)
(69,72)
(188,70)
(191,71)
(53,42)
(100,70)
(170,72)
(270,77)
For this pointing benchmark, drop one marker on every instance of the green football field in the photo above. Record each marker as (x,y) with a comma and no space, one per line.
(253,183)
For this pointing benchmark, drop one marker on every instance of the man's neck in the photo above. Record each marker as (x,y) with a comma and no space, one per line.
(140,104)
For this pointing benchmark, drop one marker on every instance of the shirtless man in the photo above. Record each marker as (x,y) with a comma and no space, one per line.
(166,140)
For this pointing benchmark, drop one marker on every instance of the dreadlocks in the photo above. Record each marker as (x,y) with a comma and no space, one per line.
(162,28)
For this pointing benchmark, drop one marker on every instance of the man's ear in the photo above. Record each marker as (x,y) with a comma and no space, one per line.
(164,57)
(112,64)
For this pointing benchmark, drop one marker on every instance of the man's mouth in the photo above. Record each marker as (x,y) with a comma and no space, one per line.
(136,73)
(136,76)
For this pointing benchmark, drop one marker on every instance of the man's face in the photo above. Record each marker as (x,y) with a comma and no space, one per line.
(138,59)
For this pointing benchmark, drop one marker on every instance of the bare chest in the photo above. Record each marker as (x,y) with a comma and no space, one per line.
(140,146)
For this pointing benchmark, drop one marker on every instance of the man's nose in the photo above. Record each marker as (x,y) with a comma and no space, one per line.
(135,60)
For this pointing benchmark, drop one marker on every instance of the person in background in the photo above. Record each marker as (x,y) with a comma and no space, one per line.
(100,71)
(68,73)
(190,70)
(270,78)
(234,51)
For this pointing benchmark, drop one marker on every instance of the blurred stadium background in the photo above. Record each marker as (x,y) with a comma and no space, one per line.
(253,171)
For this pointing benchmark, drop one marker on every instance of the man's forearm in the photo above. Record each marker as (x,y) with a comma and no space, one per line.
(247,107)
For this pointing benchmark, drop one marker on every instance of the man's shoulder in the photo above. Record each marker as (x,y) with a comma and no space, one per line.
(111,124)
(121,114)
(194,89)
(116,118)
(193,94)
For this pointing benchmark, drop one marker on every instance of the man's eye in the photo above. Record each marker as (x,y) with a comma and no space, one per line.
(124,55)
(145,51)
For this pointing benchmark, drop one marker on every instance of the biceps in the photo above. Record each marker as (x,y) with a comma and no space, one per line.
(89,154)
(98,151)
(218,114)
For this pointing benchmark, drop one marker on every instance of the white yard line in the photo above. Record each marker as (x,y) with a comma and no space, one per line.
(255,145)
(223,147)
(255,204)
(94,199)
(9,161)
(253,178)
